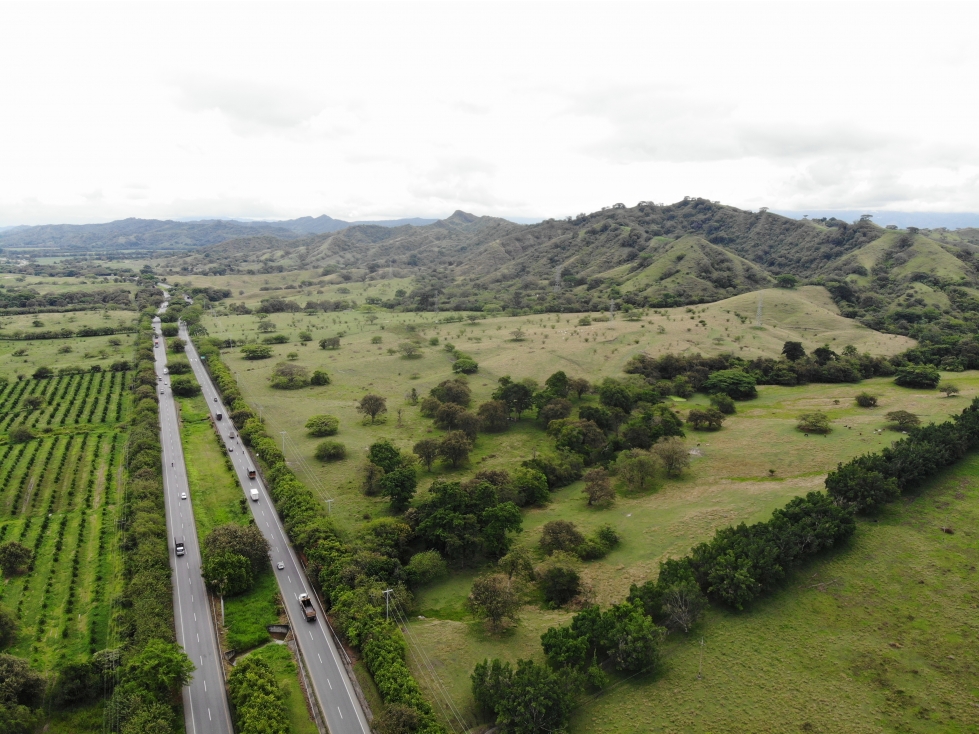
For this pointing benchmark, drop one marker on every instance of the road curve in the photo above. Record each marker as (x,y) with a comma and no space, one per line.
(330,683)
(205,701)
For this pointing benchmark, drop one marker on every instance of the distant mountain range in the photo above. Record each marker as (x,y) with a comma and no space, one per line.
(156,234)
(923,220)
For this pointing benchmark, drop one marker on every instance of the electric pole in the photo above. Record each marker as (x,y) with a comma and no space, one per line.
(387,604)
(283,443)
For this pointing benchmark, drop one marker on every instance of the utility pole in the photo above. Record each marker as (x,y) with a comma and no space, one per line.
(329,507)
(700,670)
(611,310)
(387,604)
(283,442)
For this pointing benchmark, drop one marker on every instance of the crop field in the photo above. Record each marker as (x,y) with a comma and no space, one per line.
(61,497)
(756,463)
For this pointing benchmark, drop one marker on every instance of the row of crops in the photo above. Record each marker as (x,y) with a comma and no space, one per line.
(66,400)
(61,497)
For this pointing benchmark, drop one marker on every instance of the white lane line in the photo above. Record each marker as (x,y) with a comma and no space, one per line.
(198,638)
(311,635)
(209,714)
(341,713)
(329,684)
(320,657)
(205,685)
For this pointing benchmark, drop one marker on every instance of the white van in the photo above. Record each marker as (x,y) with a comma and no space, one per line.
(254,493)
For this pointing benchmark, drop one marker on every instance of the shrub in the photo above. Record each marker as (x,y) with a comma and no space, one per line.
(332,342)
(287,376)
(184,385)
(558,578)
(319,377)
(815,422)
(425,567)
(866,400)
(723,403)
(42,373)
(560,535)
(323,425)
(20,433)
(465,366)
(921,376)
(710,419)
(256,351)
(330,451)
(276,339)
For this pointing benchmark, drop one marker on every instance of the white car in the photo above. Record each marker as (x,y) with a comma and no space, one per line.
(161,392)
(280,565)
(183,495)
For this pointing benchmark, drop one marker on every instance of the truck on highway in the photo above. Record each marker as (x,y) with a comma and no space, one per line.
(308,609)
(251,473)
(220,416)
(178,545)
(254,494)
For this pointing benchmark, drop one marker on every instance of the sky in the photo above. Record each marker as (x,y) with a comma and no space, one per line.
(383,110)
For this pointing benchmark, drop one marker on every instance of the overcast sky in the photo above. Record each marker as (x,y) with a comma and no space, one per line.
(367,111)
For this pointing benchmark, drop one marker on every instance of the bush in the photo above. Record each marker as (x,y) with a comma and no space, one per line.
(559,579)
(710,419)
(560,535)
(866,400)
(319,378)
(20,433)
(736,384)
(256,351)
(723,403)
(185,386)
(922,376)
(815,422)
(426,567)
(287,376)
(330,451)
(323,425)
(465,366)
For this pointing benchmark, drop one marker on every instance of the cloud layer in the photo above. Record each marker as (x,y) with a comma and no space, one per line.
(365,111)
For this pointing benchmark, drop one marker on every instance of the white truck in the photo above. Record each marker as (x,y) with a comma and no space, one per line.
(254,494)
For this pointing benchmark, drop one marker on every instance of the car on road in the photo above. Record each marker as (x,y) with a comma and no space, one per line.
(183,495)
(215,400)
(280,565)
(231,435)
(230,448)
(161,392)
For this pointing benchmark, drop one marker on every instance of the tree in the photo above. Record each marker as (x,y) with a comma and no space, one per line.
(530,486)
(948,388)
(330,451)
(323,425)
(185,386)
(786,280)
(455,447)
(256,351)
(427,450)
(21,433)
(176,345)
(579,386)
(860,486)
(815,422)
(598,488)
(793,351)
(266,327)
(493,416)
(399,486)
(518,335)
(455,391)
(409,350)
(398,718)
(229,574)
(558,384)
(902,420)
(495,598)
(20,685)
(683,603)
(286,376)
(737,384)
(385,454)
(372,405)
(723,403)
(245,540)
(637,467)
(517,564)
(425,567)
(633,639)
(866,400)
(372,479)
(560,535)
(14,557)
(43,373)
(673,454)
(497,521)
(555,409)
(922,376)
(33,402)
(305,336)
(710,419)
(161,668)
(558,578)
(8,626)
(517,396)
(465,366)
(319,377)
(332,342)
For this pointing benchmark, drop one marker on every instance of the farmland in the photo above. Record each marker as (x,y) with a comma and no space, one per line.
(62,498)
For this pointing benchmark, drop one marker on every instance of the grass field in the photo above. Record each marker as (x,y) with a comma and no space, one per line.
(729,480)
(61,496)
(57,353)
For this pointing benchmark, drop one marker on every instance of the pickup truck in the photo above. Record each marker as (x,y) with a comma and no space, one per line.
(308,609)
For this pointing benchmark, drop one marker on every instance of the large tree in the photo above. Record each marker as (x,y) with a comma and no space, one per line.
(372,406)
(495,598)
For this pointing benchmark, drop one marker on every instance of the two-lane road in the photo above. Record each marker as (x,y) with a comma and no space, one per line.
(205,703)
(332,686)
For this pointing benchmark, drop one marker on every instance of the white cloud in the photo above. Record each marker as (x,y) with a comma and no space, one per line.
(363,110)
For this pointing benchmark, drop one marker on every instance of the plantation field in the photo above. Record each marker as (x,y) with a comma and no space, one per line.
(58,353)
(61,497)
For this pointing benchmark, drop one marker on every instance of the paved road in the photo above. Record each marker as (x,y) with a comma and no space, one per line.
(205,703)
(340,706)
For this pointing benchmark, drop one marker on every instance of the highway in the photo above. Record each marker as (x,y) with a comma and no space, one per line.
(330,683)
(205,702)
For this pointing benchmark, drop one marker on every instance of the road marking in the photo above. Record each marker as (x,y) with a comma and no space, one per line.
(205,685)
(311,635)
(320,657)
(209,714)
(198,638)
(329,684)
(338,709)
(290,579)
